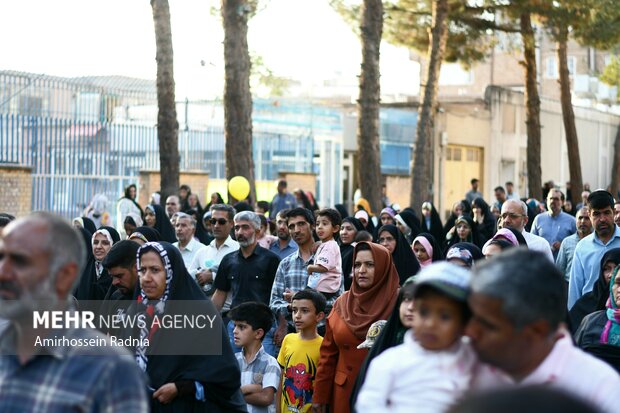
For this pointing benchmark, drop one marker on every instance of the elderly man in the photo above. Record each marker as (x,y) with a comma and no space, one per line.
(248,274)
(185,228)
(514,215)
(518,305)
(564,261)
(173,205)
(41,258)
(590,250)
(555,224)
(206,262)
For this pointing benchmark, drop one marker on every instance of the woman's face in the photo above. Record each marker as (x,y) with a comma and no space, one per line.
(426,212)
(401,227)
(347,233)
(364,269)
(129,228)
(132,192)
(615,290)
(193,201)
(608,268)
(387,240)
(152,275)
(214,198)
(457,209)
(463,230)
(149,218)
(476,210)
(420,252)
(101,246)
(405,312)
(386,219)
(492,250)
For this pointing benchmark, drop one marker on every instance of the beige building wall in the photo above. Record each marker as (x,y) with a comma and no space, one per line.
(15,189)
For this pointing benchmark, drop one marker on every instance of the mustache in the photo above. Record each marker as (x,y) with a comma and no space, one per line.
(10,286)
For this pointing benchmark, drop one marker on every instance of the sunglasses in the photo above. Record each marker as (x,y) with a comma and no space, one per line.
(220,221)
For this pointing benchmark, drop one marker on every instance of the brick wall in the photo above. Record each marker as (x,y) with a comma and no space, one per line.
(304,181)
(15,189)
(150,182)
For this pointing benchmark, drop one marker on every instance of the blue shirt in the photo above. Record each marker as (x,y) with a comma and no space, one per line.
(290,248)
(280,202)
(564,261)
(554,228)
(61,378)
(587,264)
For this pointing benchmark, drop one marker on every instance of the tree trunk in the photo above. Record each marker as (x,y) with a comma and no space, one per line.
(369,172)
(532,109)
(167,124)
(237,96)
(572,143)
(615,172)
(422,174)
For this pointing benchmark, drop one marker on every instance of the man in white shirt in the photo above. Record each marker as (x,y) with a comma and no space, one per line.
(185,228)
(514,215)
(205,264)
(518,305)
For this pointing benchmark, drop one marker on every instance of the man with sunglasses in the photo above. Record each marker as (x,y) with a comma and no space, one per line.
(555,224)
(514,215)
(206,262)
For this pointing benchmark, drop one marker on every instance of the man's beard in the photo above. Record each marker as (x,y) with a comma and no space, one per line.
(42,298)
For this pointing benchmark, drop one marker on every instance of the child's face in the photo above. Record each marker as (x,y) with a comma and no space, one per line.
(406,311)
(244,334)
(325,230)
(420,252)
(437,321)
(304,314)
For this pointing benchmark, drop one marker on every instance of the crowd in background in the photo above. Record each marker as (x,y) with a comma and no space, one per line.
(398,310)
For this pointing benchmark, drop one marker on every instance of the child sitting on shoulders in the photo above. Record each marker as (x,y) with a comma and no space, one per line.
(325,275)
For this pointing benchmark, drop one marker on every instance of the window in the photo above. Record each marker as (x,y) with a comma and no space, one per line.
(551,67)
(572,65)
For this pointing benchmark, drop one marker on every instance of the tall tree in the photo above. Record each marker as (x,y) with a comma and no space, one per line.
(568,117)
(167,124)
(532,107)
(237,95)
(369,153)
(422,174)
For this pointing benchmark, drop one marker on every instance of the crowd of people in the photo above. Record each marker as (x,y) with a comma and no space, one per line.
(322,309)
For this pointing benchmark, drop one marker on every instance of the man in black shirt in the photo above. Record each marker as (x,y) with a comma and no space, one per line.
(247,274)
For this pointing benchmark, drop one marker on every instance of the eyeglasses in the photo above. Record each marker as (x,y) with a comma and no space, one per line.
(511,215)
(220,221)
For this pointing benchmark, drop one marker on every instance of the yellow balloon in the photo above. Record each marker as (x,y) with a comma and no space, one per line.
(239,188)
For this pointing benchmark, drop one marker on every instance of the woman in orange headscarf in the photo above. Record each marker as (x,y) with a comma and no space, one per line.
(371,298)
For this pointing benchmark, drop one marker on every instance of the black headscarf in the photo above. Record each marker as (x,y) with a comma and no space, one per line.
(220,200)
(488,226)
(218,374)
(89,225)
(404,259)
(342,210)
(201,232)
(162,224)
(411,220)
(519,236)
(475,237)
(436,229)
(346,253)
(91,287)
(437,250)
(596,299)
(150,234)
(87,238)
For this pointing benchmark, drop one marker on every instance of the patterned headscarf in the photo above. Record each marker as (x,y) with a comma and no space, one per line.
(147,330)
(611,331)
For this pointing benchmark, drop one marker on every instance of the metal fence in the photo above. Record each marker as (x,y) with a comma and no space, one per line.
(74,160)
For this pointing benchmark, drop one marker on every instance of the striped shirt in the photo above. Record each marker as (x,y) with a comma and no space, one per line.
(60,379)
(263,369)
